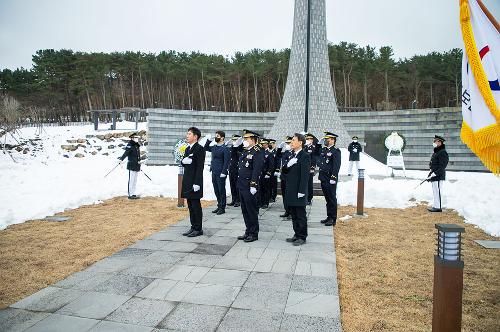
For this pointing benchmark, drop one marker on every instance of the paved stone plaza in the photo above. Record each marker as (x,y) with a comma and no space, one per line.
(168,282)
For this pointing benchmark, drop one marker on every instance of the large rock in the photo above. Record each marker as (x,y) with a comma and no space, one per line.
(108,136)
(69,147)
(111,146)
(82,140)
(79,155)
(101,137)
(72,141)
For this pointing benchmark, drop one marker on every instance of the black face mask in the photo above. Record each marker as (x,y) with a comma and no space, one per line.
(218,139)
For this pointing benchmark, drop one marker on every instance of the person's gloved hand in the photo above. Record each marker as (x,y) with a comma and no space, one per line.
(291,162)
(321,141)
(238,142)
(300,195)
(282,145)
(266,176)
(253,190)
(355,150)
(119,161)
(333,181)
(196,187)
(432,175)
(208,137)
(276,174)
(223,175)
(187,161)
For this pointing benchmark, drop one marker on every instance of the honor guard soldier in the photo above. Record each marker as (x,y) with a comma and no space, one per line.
(192,181)
(235,152)
(329,159)
(354,151)
(249,172)
(437,172)
(133,153)
(274,178)
(219,167)
(283,154)
(310,148)
(297,171)
(267,173)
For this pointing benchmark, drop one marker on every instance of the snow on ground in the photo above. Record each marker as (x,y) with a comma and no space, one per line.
(47,182)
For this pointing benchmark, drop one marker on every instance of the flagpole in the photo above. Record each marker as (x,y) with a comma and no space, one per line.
(489,15)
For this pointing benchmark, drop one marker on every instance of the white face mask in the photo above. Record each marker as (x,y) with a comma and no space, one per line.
(246,144)
(135,139)
(310,142)
(355,141)
(435,145)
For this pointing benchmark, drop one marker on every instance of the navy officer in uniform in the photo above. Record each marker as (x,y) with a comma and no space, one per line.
(437,172)
(329,159)
(297,171)
(249,172)
(274,178)
(133,153)
(234,152)
(310,148)
(354,150)
(267,173)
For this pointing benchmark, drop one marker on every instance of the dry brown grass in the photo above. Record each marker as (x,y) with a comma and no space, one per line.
(385,268)
(36,254)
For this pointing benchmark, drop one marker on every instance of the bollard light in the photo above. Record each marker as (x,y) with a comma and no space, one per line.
(448,279)
(449,242)
(361,192)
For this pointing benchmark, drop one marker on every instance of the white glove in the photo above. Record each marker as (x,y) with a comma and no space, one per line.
(253,190)
(333,181)
(281,145)
(299,195)
(432,175)
(187,161)
(239,141)
(276,174)
(208,137)
(196,187)
(266,177)
(223,175)
(355,150)
(321,141)
(291,162)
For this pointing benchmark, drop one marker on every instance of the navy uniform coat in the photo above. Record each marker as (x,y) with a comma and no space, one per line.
(221,157)
(329,160)
(438,163)
(250,168)
(354,156)
(297,179)
(193,173)
(133,152)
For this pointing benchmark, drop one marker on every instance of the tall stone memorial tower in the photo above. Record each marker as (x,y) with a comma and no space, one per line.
(309,102)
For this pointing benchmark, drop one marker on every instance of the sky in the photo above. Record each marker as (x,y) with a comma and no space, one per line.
(219,26)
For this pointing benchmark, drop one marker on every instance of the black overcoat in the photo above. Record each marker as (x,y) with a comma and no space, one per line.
(438,163)
(297,179)
(193,173)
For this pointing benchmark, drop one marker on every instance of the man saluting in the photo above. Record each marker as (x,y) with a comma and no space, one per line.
(249,172)
(192,181)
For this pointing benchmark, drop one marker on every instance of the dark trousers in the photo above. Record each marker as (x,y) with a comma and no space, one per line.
(330,193)
(233,178)
(266,191)
(283,188)
(274,187)
(219,189)
(310,189)
(250,210)
(195,213)
(299,219)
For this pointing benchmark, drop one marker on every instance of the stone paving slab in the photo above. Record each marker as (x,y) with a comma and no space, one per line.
(168,282)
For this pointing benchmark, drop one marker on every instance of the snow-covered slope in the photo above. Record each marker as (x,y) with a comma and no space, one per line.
(50,180)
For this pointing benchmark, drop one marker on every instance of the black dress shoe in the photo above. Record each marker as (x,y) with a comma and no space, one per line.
(242,237)
(251,238)
(285,215)
(237,204)
(265,207)
(188,232)
(331,222)
(216,210)
(195,234)
(324,221)
(133,197)
(231,204)
(434,210)
(221,211)
(291,239)
(299,242)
